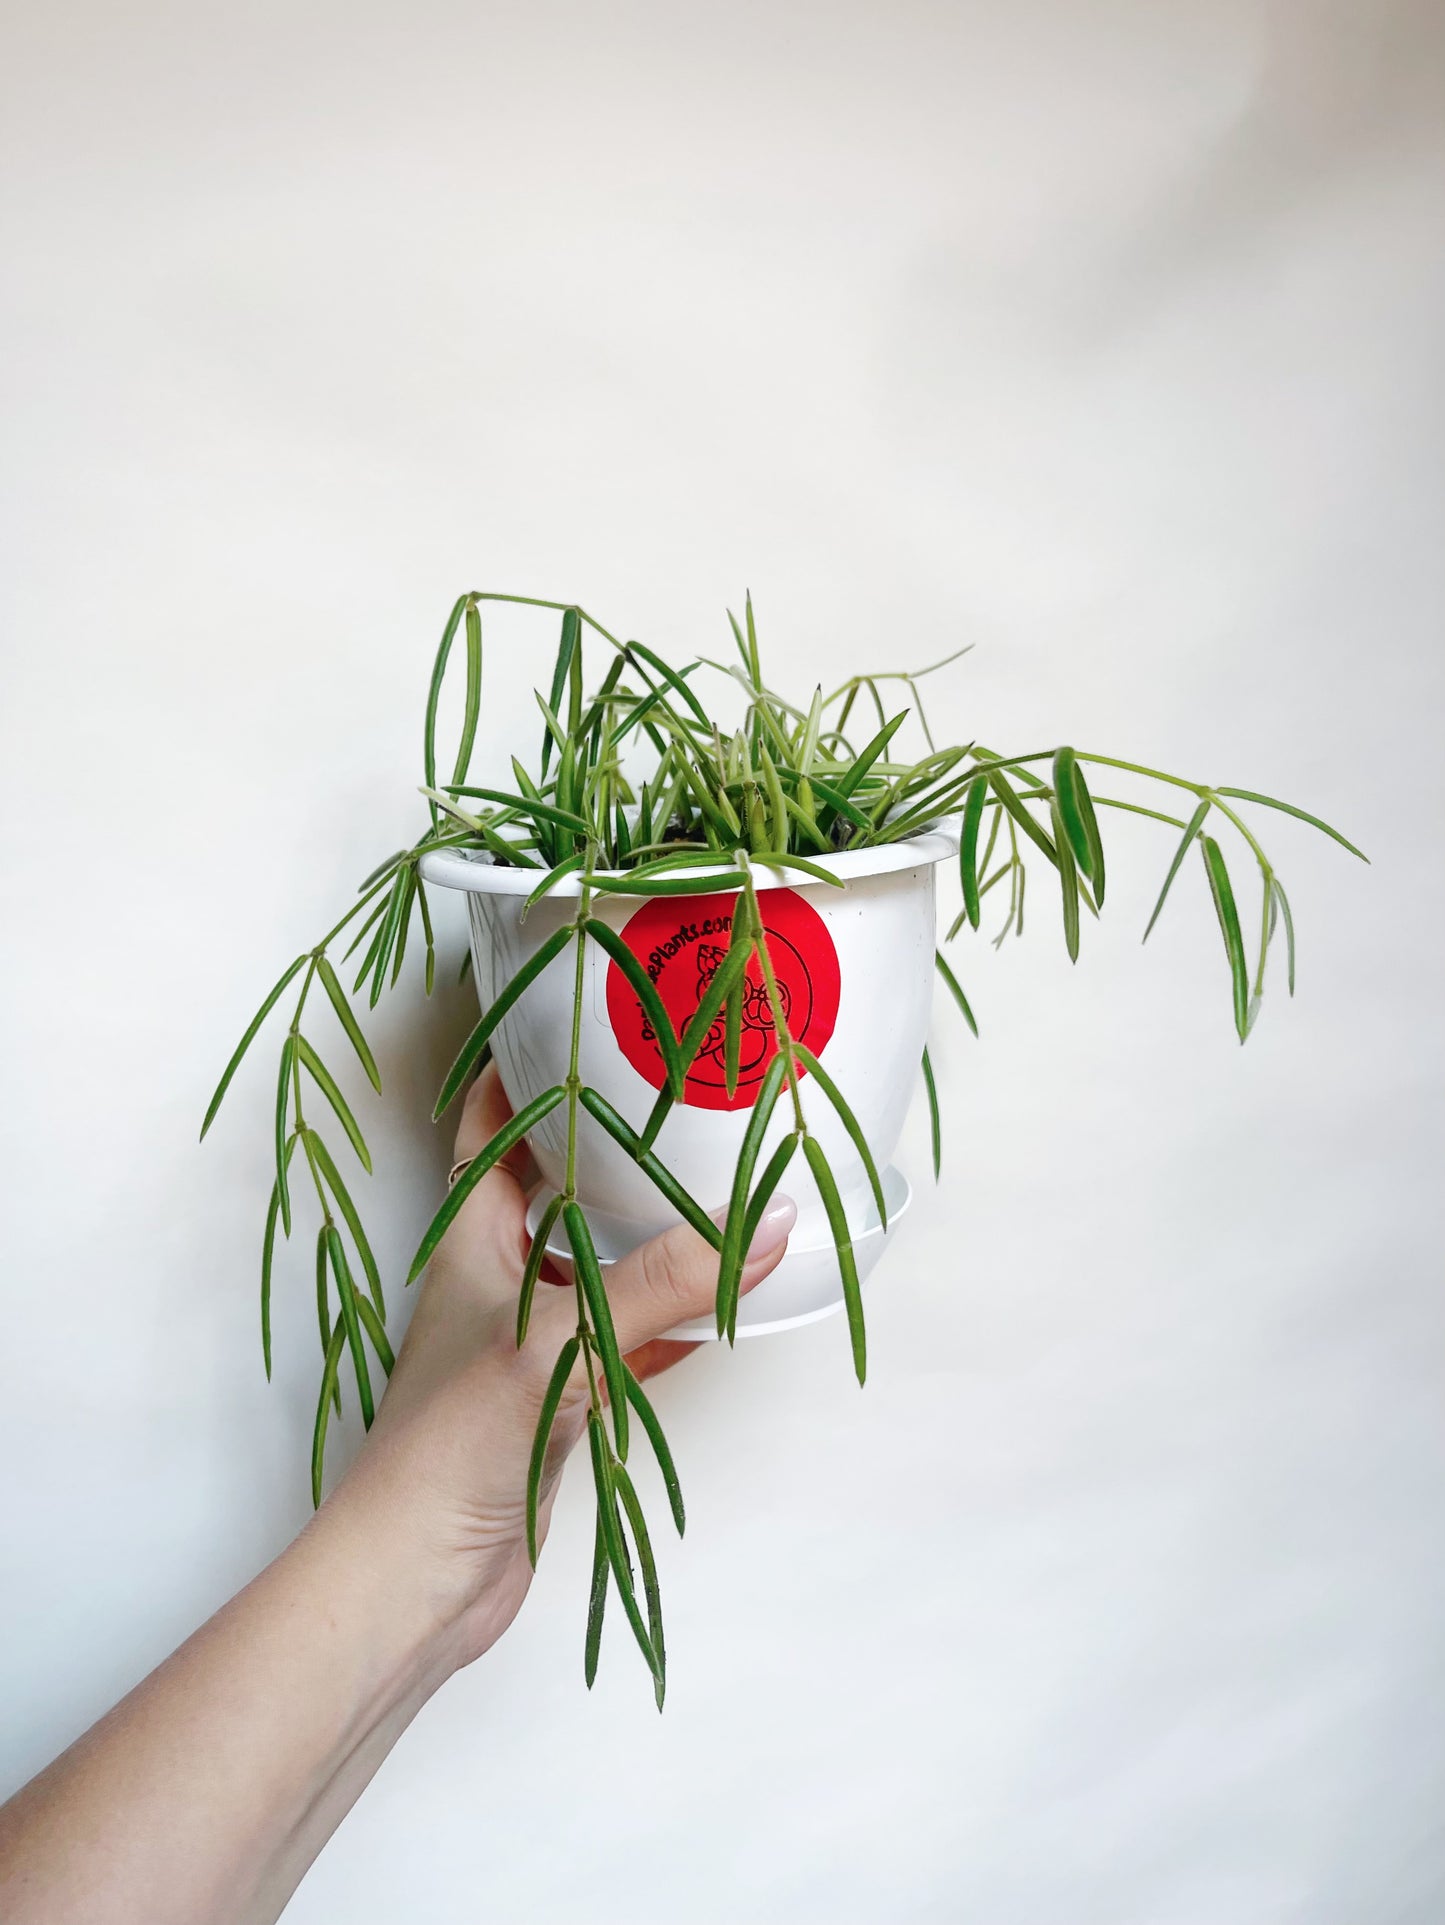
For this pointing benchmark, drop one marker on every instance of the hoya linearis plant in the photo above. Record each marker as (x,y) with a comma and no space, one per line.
(637,788)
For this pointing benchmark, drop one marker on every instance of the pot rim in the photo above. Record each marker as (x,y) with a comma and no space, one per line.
(477,871)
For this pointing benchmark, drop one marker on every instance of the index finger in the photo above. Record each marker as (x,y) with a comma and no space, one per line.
(483,1114)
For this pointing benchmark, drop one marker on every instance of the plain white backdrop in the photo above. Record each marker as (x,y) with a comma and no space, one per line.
(1105,338)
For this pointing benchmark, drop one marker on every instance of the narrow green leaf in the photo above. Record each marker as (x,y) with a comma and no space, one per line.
(346,1291)
(808,822)
(837,803)
(643,988)
(602,1468)
(843,1243)
(850,1123)
(473,706)
(363,932)
(814,869)
(438,675)
(988,847)
(649,1420)
(935,1126)
(733,1037)
(524,806)
(470,1052)
(426,929)
(268,1250)
(968,847)
(542,1436)
(1068,817)
(1284,910)
(719,816)
(1224,908)
(245,1043)
(382,869)
(1267,919)
(532,1268)
(755,667)
(323,1411)
(848,783)
(734,1249)
(506,1138)
(729,970)
(954,989)
(673,680)
(1068,880)
(812,727)
(671,861)
(331,984)
(566,799)
(594,1289)
(928,797)
(283,1100)
(326,1083)
(596,1606)
(1301,815)
(566,867)
(636,716)
(391,924)
(323,1305)
(372,1325)
(602,703)
(1009,797)
(566,649)
(513,855)
(761,1197)
(316,1148)
(403,922)
(1191,829)
(687,885)
(574,688)
(525,785)
(697,1030)
(777,803)
(650,1588)
(757,1206)
(1084,802)
(742,645)
(373,948)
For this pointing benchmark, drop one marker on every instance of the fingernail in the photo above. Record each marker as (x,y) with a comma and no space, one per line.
(773,1227)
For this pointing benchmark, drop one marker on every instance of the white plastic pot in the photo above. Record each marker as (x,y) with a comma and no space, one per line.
(855,967)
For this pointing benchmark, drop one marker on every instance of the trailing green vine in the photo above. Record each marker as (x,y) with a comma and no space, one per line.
(637,790)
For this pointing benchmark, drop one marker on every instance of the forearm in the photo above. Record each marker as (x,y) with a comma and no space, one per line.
(209,1790)
(206,1794)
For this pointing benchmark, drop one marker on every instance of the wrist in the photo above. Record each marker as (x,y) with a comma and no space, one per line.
(378,1587)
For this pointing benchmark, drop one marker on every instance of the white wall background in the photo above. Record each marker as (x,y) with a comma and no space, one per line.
(1106,338)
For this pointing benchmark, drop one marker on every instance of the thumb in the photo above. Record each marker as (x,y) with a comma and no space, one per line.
(674,1276)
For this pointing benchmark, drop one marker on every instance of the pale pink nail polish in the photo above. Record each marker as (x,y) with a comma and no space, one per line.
(773,1228)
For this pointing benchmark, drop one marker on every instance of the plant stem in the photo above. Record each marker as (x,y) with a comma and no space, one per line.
(574,1088)
(759,941)
(1200,789)
(295,1034)
(536,601)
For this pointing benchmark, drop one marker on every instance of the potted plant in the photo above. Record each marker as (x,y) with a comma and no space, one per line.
(705,955)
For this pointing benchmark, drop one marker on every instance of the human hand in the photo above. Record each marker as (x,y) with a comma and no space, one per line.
(441,1481)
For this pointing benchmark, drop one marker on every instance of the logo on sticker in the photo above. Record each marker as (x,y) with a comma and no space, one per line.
(681,942)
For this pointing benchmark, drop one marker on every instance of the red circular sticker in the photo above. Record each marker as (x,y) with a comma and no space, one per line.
(681,942)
